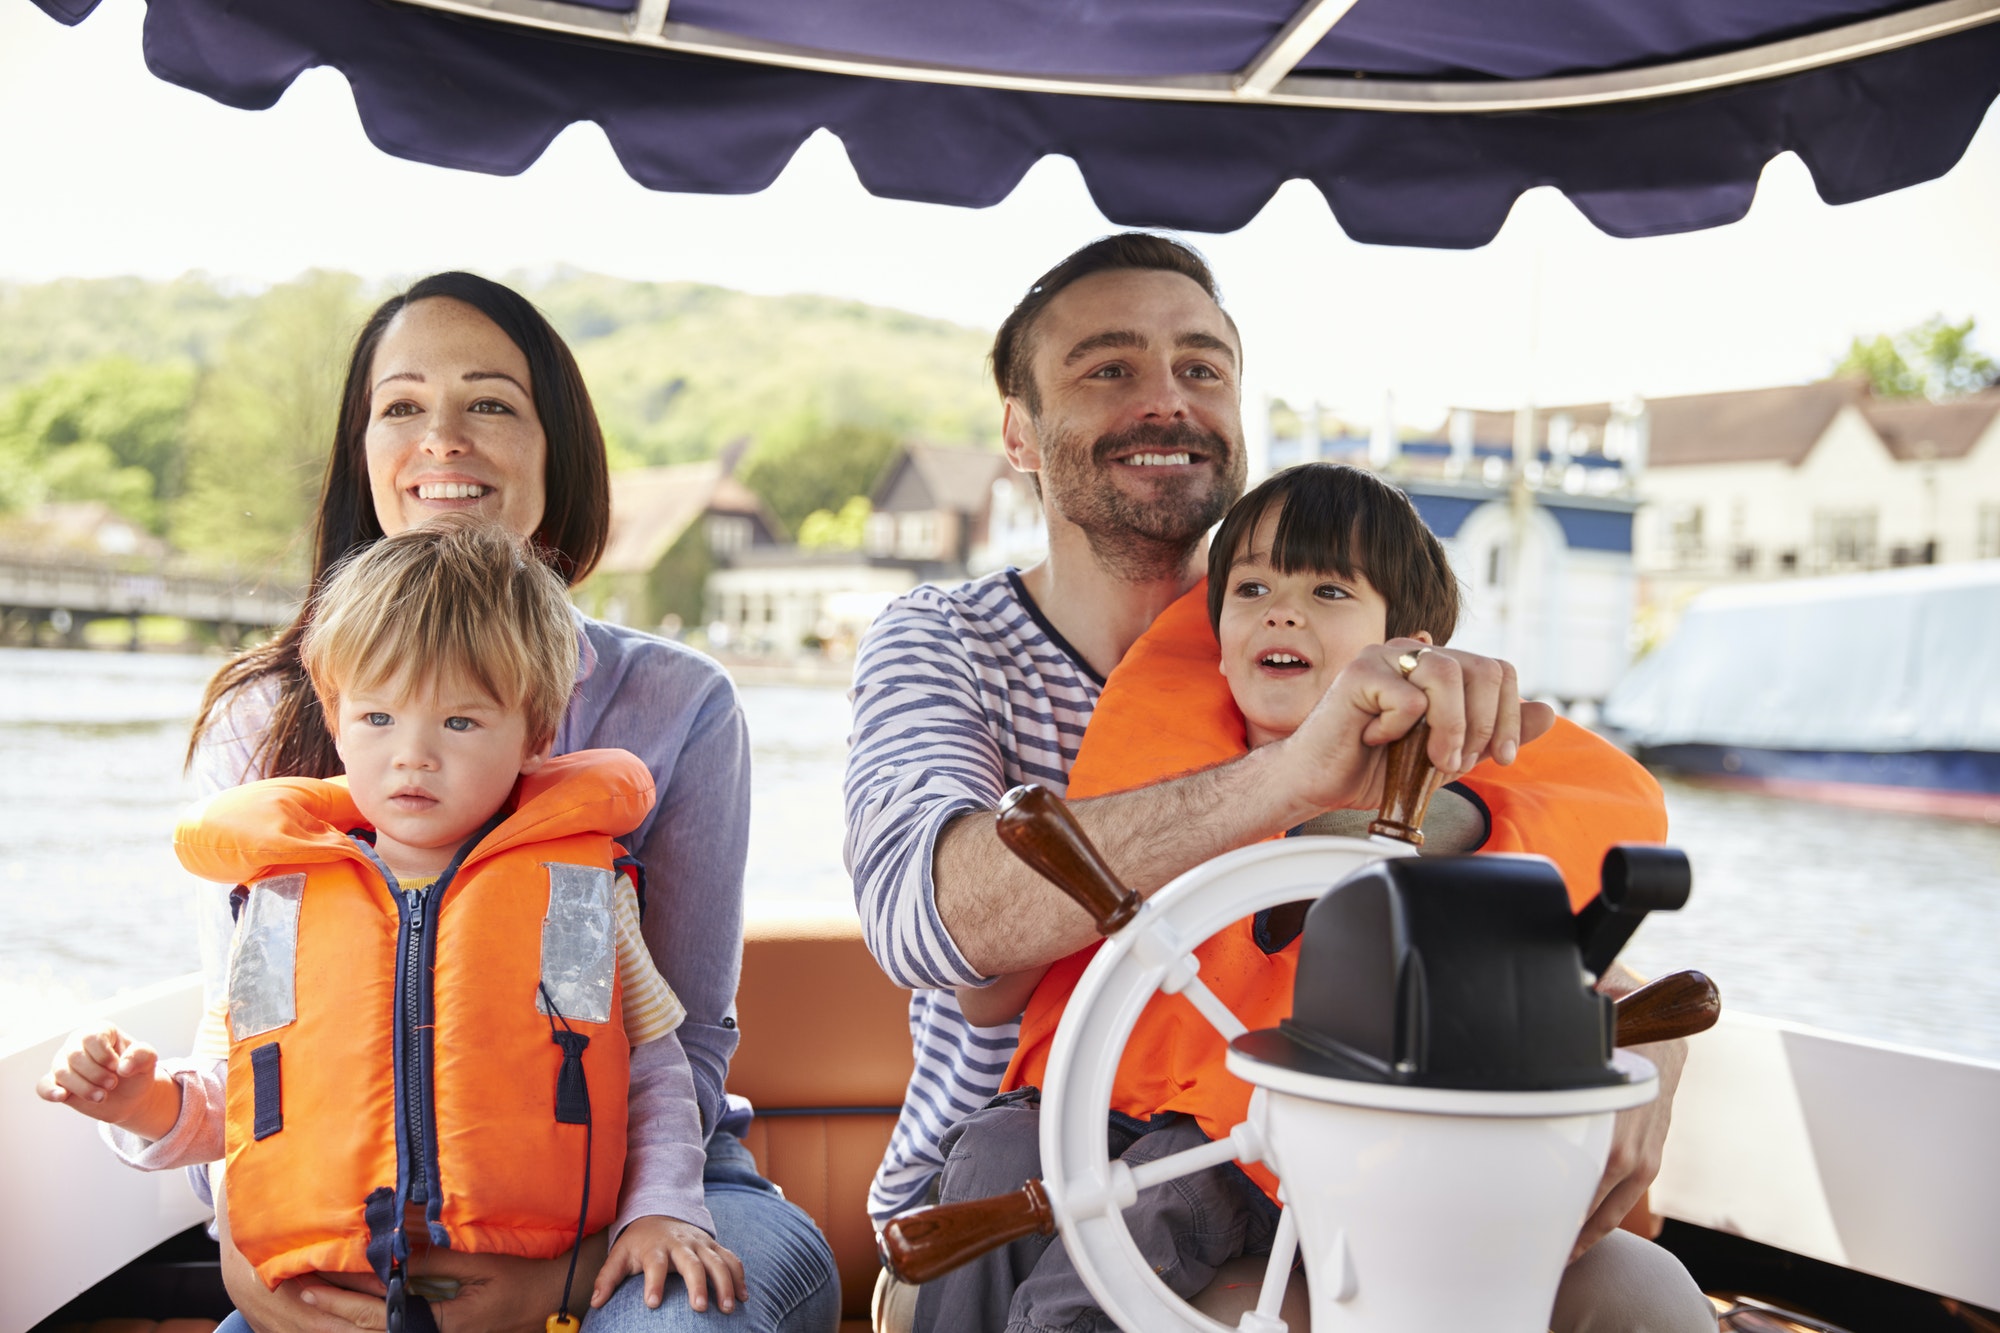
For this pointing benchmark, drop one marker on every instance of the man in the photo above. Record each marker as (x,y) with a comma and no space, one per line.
(1120,375)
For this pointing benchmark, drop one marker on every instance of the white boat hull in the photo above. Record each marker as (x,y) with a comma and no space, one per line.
(78,1214)
(1878,1158)
(1874,1157)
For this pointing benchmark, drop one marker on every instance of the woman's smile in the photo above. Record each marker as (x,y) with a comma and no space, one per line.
(450,490)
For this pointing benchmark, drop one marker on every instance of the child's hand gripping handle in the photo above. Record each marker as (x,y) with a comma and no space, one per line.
(1037,827)
(922,1245)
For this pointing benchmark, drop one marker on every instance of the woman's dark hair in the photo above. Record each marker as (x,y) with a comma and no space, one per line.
(576,513)
(1336,519)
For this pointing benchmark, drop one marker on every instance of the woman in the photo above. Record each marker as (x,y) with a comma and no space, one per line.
(460,395)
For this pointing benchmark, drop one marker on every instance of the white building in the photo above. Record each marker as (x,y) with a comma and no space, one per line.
(939,515)
(1805,479)
(669,527)
(1952,450)
(782,601)
(1545,576)
(1543,557)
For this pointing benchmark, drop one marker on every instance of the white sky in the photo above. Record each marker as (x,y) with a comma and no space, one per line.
(106,170)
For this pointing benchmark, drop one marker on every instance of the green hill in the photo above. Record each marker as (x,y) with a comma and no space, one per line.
(205,412)
(57,325)
(678,369)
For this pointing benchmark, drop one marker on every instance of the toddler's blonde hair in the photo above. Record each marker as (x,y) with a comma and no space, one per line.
(454,599)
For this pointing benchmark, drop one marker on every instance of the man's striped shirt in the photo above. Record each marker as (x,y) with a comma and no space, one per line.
(959,694)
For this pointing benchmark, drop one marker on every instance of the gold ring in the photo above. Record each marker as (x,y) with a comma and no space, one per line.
(1407,662)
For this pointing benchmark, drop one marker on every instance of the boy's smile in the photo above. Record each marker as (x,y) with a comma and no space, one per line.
(1285,636)
(428,764)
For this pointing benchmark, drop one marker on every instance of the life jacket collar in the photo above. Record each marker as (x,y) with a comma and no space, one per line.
(238,836)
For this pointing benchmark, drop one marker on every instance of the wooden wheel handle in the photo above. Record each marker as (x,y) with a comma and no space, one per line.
(1677,1005)
(1408,783)
(920,1246)
(1037,827)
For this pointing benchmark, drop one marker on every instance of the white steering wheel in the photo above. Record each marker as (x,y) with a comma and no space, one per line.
(1087,1190)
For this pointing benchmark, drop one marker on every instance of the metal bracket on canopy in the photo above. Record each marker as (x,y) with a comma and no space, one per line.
(648,26)
(1293,43)
(648,17)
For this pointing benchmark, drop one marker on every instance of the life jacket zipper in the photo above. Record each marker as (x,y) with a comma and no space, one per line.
(417,946)
(410,987)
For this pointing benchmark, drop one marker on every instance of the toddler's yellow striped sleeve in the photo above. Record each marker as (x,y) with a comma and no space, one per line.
(211,1039)
(652,1010)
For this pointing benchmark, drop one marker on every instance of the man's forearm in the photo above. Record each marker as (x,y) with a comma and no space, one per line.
(1004,917)
(1003,1001)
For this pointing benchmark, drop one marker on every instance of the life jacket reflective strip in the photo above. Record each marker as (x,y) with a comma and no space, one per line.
(508,1175)
(1166,710)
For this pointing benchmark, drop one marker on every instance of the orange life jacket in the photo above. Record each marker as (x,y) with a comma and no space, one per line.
(1167,710)
(390,1049)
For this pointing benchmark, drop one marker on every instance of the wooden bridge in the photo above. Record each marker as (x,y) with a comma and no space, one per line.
(48,599)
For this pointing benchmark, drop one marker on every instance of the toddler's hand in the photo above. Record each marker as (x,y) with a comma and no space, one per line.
(658,1246)
(105,1074)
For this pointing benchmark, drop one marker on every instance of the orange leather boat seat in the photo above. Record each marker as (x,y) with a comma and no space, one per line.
(139,1325)
(825,1056)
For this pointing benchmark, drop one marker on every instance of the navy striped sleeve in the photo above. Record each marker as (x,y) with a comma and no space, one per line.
(959,694)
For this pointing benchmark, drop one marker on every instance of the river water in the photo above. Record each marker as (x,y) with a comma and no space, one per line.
(1880,925)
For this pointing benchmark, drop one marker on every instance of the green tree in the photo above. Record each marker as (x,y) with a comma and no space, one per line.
(1879,361)
(262,423)
(845,531)
(55,325)
(813,467)
(109,430)
(89,471)
(1952,366)
(1934,359)
(21,483)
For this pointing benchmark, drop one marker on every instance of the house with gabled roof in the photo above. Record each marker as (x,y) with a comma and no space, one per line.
(1814,479)
(1798,479)
(1762,483)
(954,506)
(1954,449)
(670,527)
(939,514)
(1737,486)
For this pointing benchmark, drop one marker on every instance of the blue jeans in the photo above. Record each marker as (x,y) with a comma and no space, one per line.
(787,1264)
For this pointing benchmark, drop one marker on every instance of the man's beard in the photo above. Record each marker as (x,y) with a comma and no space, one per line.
(1142,539)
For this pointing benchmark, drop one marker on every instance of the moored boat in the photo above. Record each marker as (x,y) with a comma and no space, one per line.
(1868,689)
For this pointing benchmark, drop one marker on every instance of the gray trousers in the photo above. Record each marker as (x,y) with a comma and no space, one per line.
(1190,1228)
(1186,1228)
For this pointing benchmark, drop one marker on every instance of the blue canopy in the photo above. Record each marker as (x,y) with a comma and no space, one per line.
(1420,121)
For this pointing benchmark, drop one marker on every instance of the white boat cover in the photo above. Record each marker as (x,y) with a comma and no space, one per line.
(1893,661)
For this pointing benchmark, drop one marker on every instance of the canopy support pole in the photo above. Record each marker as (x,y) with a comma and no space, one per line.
(1293,43)
(1270,72)
(649,18)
